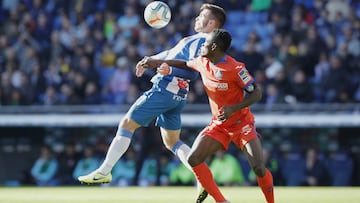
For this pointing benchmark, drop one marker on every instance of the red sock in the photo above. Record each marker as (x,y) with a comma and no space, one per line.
(267,187)
(206,179)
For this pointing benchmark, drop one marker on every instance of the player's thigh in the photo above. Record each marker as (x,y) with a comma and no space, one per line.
(171,118)
(204,146)
(148,106)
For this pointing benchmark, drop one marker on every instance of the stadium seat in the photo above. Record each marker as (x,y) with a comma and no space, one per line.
(340,167)
(235,17)
(293,168)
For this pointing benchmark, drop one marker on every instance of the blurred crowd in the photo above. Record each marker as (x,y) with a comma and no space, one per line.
(296,157)
(310,167)
(67,52)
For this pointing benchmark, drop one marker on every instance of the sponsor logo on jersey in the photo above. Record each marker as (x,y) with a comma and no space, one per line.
(244,76)
(218,85)
(182,83)
(246,129)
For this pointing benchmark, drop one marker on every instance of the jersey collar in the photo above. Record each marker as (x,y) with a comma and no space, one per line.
(222,59)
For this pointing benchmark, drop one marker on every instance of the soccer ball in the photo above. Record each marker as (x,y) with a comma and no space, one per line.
(157,14)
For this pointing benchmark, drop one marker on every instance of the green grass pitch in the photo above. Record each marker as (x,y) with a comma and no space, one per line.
(92,194)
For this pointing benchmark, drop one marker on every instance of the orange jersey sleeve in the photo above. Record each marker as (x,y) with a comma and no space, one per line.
(224,83)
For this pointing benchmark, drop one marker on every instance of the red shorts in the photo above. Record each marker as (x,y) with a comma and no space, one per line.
(240,134)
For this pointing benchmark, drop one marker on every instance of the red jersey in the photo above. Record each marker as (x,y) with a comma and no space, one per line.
(225,84)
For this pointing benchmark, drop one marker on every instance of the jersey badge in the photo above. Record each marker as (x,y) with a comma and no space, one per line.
(218,74)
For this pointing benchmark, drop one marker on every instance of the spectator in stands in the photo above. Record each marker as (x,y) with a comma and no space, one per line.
(336,9)
(56,48)
(128,22)
(133,94)
(300,87)
(67,160)
(109,26)
(273,96)
(87,163)
(92,93)
(357,94)
(272,65)
(166,165)
(50,97)
(322,67)
(310,54)
(282,83)
(180,175)
(254,40)
(68,96)
(37,81)
(252,55)
(334,80)
(349,37)
(120,81)
(52,74)
(45,167)
(16,99)
(66,33)
(149,172)
(87,70)
(226,170)
(316,174)
(124,170)
(149,150)
(78,81)
(42,32)
(26,90)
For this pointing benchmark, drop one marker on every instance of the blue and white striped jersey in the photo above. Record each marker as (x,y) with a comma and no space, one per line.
(186,49)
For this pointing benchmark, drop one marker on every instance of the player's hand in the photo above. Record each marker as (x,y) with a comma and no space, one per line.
(225,113)
(148,62)
(164,69)
(139,69)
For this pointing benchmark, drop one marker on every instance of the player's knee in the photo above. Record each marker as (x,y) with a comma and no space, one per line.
(194,160)
(170,138)
(168,146)
(259,170)
(129,124)
(169,143)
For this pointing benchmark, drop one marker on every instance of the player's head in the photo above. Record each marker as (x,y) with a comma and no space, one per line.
(216,44)
(210,17)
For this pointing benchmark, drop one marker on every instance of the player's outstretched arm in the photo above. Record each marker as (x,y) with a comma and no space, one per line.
(148,62)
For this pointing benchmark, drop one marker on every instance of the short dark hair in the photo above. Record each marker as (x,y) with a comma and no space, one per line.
(218,12)
(222,38)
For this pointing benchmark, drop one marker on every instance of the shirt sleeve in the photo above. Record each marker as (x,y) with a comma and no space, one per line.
(246,80)
(194,63)
(162,55)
